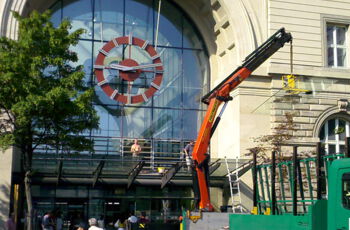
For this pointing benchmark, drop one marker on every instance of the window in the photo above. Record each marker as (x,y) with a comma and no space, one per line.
(346,190)
(333,134)
(337,45)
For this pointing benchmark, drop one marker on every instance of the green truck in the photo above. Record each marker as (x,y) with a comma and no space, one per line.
(328,210)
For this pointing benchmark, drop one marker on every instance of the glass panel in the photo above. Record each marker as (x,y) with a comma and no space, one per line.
(137,122)
(195,78)
(190,36)
(83,50)
(110,121)
(341,35)
(322,136)
(80,14)
(108,19)
(341,130)
(56,14)
(169,94)
(330,52)
(166,124)
(341,55)
(192,122)
(331,129)
(331,149)
(342,149)
(329,35)
(139,19)
(346,190)
(169,25)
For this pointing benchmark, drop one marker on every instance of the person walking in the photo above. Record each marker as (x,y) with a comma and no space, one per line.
(93,224)
(47,222)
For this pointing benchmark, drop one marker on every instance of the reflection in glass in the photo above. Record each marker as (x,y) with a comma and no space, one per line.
(139,19)
(80,15)
(329,35)
(108,19)
(170,93)
(191,124)
(170,26)
(341,55)
(173,113)
(137,122)
(167,124)
(330,57)
(195,77)
(331,128)
(341,32)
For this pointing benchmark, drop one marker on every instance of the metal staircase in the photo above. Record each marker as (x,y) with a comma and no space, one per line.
(235,190)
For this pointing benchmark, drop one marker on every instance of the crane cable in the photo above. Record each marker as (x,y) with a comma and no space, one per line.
(157,28)
(291,73)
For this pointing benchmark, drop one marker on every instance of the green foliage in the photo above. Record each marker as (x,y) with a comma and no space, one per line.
(43,98)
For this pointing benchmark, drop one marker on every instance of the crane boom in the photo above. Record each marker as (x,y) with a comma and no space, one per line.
(221,93)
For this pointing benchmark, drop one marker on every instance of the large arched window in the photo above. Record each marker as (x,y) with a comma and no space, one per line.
(174,112)
(333,134)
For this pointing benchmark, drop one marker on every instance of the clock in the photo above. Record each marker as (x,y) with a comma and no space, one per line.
(128,69)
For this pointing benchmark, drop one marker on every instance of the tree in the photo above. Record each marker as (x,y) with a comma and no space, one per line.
(43,98)
(282,133)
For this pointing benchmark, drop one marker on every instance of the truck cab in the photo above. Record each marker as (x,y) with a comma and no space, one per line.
(339,195)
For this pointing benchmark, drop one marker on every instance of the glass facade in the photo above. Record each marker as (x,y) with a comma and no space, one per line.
(173,114)
(163,123)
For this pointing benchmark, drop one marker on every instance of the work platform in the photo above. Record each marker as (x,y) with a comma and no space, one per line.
(109,169)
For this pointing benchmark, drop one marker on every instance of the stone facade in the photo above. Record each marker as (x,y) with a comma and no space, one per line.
(233,29)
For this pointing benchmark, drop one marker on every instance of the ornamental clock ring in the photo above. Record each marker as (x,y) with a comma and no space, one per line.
(129,69)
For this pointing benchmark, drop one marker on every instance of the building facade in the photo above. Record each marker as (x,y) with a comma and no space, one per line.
(199,43)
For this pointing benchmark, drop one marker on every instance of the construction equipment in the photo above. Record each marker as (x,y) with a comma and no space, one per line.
(220,94)
(327,209)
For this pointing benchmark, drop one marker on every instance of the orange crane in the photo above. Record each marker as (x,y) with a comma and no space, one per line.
(220,94)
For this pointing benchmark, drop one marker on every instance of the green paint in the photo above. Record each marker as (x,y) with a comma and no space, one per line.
(314,220)
(330,214)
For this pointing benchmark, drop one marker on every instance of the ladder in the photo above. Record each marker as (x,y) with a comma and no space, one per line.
(233,178)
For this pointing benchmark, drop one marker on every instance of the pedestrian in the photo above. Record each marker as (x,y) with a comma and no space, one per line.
(143,221)
(101,222)
(121,223)
(131,220)
(93,224)
(188,154)
(47,222)
(59,221)
(136,149)
(10,223)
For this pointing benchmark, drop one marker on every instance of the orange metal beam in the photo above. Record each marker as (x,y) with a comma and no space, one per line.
(203,139)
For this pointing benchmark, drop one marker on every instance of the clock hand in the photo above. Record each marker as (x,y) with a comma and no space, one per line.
(146,66)
(120,67)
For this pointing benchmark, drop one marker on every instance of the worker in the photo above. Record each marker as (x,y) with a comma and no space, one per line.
(188,154)
(135,149)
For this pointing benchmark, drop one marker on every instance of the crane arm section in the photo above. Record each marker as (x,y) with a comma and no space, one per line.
(220,94)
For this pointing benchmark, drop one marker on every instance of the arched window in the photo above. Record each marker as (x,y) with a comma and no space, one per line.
(174,113)
(333,134)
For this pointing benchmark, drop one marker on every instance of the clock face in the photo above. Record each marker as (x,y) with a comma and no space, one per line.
(133,75)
